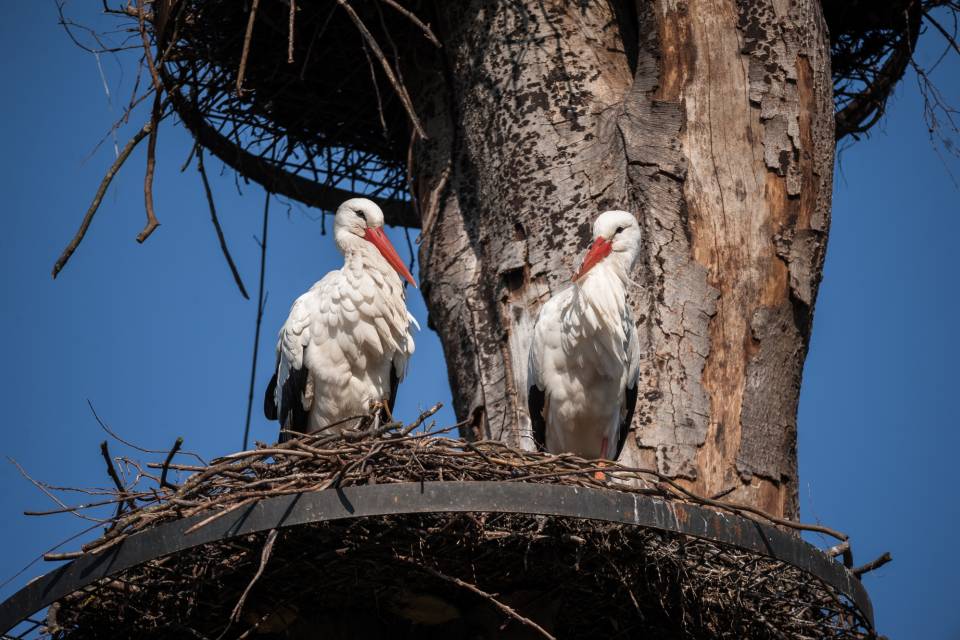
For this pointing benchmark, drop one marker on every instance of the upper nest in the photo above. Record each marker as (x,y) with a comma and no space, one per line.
(309,97)
(435,574)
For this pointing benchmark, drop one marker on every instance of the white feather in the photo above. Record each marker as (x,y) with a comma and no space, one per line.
(349,329)
(584,353)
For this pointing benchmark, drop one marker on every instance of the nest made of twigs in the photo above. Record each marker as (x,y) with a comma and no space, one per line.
(322,81)
(438,575)
(459,576)
(303,95)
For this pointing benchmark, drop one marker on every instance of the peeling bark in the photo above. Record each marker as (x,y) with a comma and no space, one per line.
(712,120)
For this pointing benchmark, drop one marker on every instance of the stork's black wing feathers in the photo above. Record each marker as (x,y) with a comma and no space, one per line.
(293,417)
(630,402)
(290,413)
(394,385)
(536,399)
(269,402)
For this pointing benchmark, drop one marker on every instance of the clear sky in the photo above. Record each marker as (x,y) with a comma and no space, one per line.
(159,340)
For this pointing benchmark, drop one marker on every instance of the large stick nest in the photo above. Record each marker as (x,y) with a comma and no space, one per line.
(435,575)
(309,98)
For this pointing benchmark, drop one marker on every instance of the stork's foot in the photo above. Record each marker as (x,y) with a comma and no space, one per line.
(385,407)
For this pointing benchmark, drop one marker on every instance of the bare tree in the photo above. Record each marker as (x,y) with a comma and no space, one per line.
(512,124)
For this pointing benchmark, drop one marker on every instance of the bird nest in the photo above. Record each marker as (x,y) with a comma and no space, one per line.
(310,99)
(307,98)
(441,573)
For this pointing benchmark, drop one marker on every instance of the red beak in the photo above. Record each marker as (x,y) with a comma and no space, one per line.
(600,249)
(379,239)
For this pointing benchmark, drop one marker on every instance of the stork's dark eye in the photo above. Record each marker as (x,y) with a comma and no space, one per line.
(619,229)
(362,216)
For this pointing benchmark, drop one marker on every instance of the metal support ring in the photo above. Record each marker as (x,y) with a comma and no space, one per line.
(438,497)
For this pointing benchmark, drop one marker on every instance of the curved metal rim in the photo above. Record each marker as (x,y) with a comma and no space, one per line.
(438,497)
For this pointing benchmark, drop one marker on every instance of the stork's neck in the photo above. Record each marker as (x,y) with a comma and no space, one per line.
(360,255)
(602,293)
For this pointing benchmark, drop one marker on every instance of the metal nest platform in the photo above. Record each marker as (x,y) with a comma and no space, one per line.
(384,533)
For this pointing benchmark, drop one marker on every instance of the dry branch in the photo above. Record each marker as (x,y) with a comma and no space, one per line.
(248,36)
(98,197)
(264,558)
(152,222)
(216,224)
(387,70)
(409,15)
(873,564)
(483,594)
(261,303)
(166,465)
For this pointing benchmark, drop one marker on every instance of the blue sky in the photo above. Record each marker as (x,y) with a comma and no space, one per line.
(158,338)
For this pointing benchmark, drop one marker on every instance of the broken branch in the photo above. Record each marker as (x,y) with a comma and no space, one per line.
(98,197)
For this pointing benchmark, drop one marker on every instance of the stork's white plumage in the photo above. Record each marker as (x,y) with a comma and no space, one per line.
(346,341)
(584,359)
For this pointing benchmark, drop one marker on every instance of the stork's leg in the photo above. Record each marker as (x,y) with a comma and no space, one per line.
(385,407)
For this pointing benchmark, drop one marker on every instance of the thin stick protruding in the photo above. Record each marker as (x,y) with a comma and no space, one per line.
(264,559)
(98,197)
(510,611)
(152,222)
(261,303)
(247,37)
(216,225)
(290,29)
(387,69)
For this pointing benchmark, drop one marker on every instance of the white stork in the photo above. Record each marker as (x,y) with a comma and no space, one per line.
(346,341)
(584,360)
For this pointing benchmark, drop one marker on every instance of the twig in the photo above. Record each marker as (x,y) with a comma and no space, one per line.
(166,465)
(951,40)
(873,564)
(290,30)
(113,434)
(724,493)
(376,87)
(387,70)
(264,558)
(842,549)
(112,472)
(98,197)
(67,555)
(248,36)
(483,594)
(152,222)
(50,494)
(146,47)
(420,419)
(415,20)
(261,302)
(745,508)
(219,514)
(216,225)
(193,149)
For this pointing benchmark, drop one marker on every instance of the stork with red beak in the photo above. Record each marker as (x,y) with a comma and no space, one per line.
(346,341)
(584,360)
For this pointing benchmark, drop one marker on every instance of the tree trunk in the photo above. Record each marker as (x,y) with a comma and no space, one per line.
(712,121)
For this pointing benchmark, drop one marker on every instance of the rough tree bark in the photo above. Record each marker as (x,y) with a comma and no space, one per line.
(713,121)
